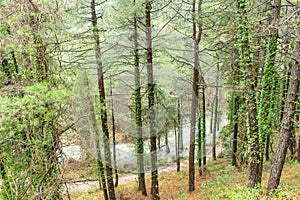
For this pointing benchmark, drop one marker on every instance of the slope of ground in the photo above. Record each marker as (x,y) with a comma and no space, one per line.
(220,181)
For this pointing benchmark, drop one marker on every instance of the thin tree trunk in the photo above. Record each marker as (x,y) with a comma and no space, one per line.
(267,150)
(151,101)
(103,111)
(102,181)
(177,148)
(179,122)
(212,117)
(166,140)
(180,126)
(199,153)
(215,117)
(287,122)
(138,110)
(158,139)
(114,135)
(235,130)
(284,90)
(203,123)
(197,33)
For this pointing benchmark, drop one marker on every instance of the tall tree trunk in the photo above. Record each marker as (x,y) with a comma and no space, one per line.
(287,121)
(266,118)
(103,112)
(95,129)
(179,122)
(138,109)
(203,121)
(151,102)
(215,116)
(114,135)
(177,148)
(199,152)
(212,117)
(100,165)
(284,90)
(197,33)
(254,177)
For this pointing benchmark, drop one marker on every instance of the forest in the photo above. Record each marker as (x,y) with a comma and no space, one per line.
(149,99)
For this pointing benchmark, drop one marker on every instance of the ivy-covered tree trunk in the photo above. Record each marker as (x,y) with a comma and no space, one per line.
(151,102)
(266,117)
(245,62)
(103,112)
(138,109)
(197,33)
(287,120)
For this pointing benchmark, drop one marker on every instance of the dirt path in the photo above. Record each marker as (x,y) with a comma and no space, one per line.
(88,185)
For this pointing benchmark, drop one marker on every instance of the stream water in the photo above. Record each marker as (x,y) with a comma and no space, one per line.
(126,158)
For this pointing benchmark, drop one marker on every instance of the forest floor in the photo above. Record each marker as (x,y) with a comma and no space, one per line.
(219,181)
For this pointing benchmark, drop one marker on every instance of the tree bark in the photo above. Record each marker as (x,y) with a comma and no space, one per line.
(197,33)
(103,111)
(151,102)
(138,109)
(292,143)
(287,121)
